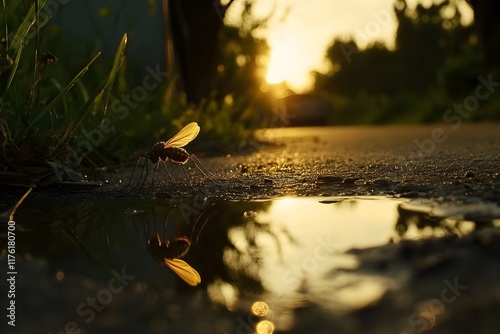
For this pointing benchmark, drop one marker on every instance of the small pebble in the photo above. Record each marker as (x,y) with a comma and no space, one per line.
(469,174)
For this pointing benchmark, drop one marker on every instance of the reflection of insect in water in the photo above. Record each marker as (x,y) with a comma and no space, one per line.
(173,151)
(169,252)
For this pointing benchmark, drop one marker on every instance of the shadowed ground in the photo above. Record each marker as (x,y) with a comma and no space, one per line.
(433,161)
(440,285)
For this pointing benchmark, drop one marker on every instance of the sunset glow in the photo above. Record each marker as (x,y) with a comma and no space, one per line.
(283,59)
(299,32)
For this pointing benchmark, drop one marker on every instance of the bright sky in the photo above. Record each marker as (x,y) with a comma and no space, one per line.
(300,31)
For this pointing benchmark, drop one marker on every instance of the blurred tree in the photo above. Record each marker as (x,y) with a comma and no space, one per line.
(232,99)
(421,39)
(241,61)
(435,58)
(424,40)
(353,70)
(487,23)
(217,61)
(192,28)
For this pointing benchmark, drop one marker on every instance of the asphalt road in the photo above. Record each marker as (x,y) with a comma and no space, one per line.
(431,161)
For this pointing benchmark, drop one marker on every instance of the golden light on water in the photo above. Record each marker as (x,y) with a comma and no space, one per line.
(222,293)
(305,242)
(260,308)
(309,250)
(265,327)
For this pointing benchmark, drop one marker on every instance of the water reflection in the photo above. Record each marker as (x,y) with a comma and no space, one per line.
(264,327)
(226,267)
(169,251)
(424,219)
(258,261)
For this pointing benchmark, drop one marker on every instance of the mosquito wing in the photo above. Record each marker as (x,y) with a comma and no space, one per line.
(184,271)
(183,137)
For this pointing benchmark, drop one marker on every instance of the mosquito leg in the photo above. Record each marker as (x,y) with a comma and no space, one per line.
(204,223)
(153,176)
(145,176)
(155,224)
(187,177)
(145,165)
(145,226)
(203,169)
(138,233)
(184,222)
(133,172)
(168,173)
(141,221)
(165,226)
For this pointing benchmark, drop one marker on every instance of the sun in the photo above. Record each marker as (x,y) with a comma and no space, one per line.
(285,63)
(278,64)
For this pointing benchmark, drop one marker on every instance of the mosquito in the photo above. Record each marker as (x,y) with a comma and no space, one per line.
(173,151)
(170,251)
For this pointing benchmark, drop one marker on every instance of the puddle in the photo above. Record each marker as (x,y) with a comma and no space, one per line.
(258,261)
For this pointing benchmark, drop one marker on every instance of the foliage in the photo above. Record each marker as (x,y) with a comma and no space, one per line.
(39,110)
(226,116)
(241,71)
(436,62)
(55,119)
(237,104)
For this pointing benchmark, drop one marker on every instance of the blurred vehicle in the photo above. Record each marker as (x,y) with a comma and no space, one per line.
(304,110)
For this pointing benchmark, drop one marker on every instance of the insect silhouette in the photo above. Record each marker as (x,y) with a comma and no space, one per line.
(169,252)
(173,151)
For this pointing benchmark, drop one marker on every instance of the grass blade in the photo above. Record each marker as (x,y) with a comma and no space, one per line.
(24,28)
(119,56)
(10,7)
(102,92)
(80,114)
(65,90)
(13,70)
(17,43)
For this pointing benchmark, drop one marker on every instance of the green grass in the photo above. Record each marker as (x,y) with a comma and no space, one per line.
(39,113)
(67,115)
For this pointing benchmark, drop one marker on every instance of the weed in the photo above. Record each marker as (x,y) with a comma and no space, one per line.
(39,113)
